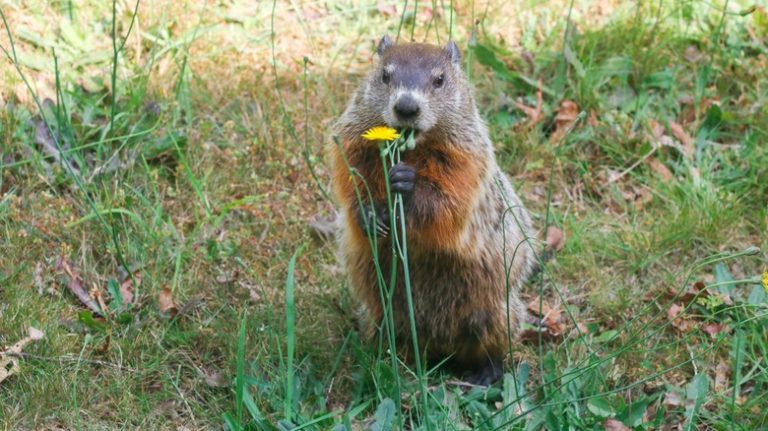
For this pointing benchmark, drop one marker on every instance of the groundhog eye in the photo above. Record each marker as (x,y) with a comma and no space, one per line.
(385,77)
(438,81)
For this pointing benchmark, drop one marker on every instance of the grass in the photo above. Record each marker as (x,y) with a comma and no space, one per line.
(185,156)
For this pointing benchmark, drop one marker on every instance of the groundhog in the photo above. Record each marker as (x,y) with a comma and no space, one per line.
(468,234)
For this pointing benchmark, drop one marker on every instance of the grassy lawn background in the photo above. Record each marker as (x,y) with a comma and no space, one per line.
(195,163)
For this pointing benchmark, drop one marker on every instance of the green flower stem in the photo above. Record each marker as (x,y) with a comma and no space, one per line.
(392,151)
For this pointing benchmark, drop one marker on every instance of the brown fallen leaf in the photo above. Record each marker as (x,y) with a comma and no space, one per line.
(253,294)
(554,324)
(712,329)
(685,139)
(615,425)
(128,287)
(637,196)
(533,114)
(216,379)
(657,129)
(566,115)
(555,238)
(9,359)
(426,14)
(165,300)
(76,285)
(582,328)
(722,371)
(529,58)
(673,399)
(689,295)
(35,334)
(673,311)
(226,276)
(674,316)
(592,119)
(538,307)
(550,319)
(50,146)
(661,169)
(37,278)
(95,293)
(386,9)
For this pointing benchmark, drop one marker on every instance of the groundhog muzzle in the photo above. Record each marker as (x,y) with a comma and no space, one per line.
(467,231)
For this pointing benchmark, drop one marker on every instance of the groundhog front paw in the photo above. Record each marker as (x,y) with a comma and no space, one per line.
(402,179)
(374,220)
(485,374)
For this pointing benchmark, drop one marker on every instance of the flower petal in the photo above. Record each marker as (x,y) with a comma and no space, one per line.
(381,133)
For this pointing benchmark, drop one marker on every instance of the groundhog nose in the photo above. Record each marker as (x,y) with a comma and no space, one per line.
(406,108)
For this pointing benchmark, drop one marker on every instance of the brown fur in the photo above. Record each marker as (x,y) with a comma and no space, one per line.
(465,226)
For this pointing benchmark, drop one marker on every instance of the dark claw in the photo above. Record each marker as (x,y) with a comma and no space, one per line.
(402,178)
(487,375)
(374,220)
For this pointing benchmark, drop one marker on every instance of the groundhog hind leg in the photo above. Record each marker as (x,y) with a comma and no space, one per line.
(481,357)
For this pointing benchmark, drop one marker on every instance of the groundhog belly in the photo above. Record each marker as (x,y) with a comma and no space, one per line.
(459,306)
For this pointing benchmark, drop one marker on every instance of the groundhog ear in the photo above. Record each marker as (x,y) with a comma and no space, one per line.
(452,50)
(384,44)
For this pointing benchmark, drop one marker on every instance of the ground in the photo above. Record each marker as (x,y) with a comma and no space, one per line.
(169,178)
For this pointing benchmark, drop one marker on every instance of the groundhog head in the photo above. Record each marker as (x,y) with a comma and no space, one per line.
(415,85)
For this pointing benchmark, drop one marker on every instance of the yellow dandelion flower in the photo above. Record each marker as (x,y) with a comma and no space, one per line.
(765,281)
(381,133)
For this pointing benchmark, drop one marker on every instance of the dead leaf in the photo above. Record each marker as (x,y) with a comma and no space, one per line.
(127,288)
(713,329)
(692,54)
(426,14)
(35,334)
(216,379)
(566,115)
(165,300)
(637,196)
(582,328)
(555,238)
(673,311)
(722,371)
(672,399)
(533,114)
(689,295)
(226,277)
(49,145)
(9,359)
(684,138)
(674,316)
(95,293)
(657,129)
(538,307)
(550,319)
(38,278)
(529,59)
(592,119)
(658,138)
(615,425)
(386,9)
(253,294)
(661,169)
(76,286)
